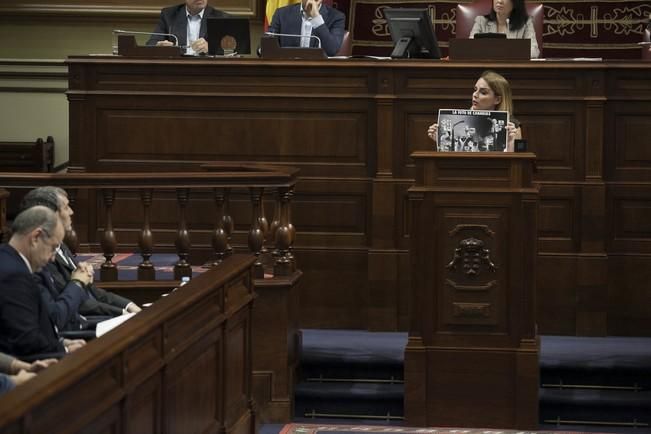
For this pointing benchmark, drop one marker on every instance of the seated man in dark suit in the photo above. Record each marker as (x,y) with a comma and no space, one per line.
(63,303)
(310,17)
(188,23)
(65,270)
(25,325)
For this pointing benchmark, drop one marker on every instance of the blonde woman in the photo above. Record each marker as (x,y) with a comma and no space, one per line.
(491,92)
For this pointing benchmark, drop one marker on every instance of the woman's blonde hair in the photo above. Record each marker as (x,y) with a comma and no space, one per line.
(500,86)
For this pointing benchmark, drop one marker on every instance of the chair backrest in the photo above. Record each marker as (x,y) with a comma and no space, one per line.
(646,49)
(346,48)
(466,13)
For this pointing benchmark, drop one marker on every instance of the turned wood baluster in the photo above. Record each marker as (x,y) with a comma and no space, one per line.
(71,239)
(220,235)
(292,229)
(228,220)
(264,226)
(256,234)
(275,223)
(146,269)
(108,271)
(4,237)
(182,268)
(283,237)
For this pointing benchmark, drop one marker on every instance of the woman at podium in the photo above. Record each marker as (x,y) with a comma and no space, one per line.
(510,18)
(491,92)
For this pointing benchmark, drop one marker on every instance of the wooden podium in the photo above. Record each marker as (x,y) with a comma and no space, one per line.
(472,355)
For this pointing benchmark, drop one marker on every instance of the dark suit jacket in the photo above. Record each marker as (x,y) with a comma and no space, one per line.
(63,305)
(25,326)
(288,20)
(174,20)
(98,302)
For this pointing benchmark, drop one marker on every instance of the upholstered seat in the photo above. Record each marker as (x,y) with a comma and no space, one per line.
(466,13)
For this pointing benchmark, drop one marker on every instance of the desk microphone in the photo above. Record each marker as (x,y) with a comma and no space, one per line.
(508,25)
(129,32)
(294,36)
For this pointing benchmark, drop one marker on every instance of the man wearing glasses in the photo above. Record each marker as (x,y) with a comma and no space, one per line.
(25,326)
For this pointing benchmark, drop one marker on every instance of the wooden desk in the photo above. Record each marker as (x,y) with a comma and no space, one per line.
(472,355)
(181,366)
(350,126)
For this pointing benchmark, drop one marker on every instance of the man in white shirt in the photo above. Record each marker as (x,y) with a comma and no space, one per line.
(307,19)
(187,22)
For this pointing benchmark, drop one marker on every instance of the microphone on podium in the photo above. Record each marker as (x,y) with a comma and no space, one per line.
(129,32)
(294,36)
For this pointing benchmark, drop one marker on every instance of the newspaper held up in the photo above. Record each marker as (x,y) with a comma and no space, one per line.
(472,130)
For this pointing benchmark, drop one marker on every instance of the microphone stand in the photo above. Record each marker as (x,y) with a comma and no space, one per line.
(295,36)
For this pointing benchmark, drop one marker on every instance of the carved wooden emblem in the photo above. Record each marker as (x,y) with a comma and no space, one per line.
(471,255)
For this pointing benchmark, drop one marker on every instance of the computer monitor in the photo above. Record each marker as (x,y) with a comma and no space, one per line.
(227,35)
(412,33)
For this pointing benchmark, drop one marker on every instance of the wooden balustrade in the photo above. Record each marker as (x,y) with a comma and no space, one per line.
(220,178)
(274,318)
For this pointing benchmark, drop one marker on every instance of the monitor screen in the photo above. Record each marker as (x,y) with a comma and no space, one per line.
(227,35)
(412,33)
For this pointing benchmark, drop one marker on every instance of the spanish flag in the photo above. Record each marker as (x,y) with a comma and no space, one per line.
(272,5)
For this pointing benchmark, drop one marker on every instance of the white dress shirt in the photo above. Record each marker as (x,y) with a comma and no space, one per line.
(309,23)
(194,27)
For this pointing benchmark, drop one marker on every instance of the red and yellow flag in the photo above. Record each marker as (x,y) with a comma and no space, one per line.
(272,5)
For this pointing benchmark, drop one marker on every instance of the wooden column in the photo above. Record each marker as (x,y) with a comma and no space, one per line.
(277,342)
(472,355)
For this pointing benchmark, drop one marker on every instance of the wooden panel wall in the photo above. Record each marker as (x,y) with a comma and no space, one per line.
(116,8)
(350,127)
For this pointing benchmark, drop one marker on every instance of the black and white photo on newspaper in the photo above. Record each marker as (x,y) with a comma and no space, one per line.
(472,130)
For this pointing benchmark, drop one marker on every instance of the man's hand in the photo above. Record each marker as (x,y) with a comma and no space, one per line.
(312,8)
(89,269)
(82,274)
(22,377)
(165,43)
(73,345)
(200,46)
(39,365)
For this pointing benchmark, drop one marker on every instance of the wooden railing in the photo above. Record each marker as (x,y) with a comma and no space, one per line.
(180,366)
(221,178)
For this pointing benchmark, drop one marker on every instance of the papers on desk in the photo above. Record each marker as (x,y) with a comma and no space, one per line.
(104,327)
(357,56)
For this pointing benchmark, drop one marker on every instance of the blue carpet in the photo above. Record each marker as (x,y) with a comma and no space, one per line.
(127,264)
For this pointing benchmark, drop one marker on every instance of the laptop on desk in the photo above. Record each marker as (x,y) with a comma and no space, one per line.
(490,49)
